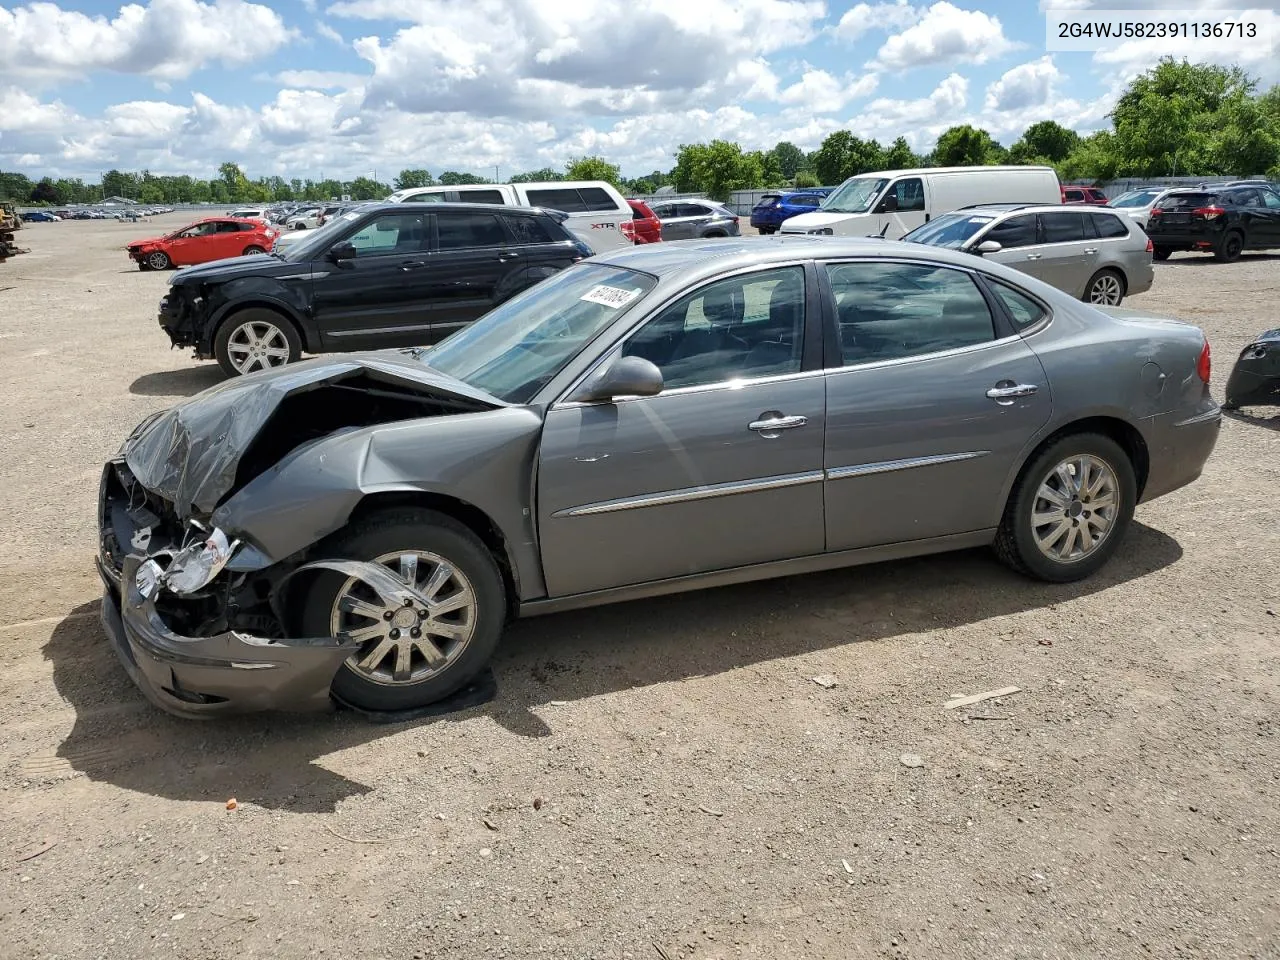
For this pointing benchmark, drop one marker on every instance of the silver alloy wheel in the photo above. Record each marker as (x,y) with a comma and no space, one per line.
(1106,290)
(1075,508)
(158,260)
(257,345)
(407,643)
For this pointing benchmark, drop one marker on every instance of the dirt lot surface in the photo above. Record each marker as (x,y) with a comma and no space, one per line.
(659,779)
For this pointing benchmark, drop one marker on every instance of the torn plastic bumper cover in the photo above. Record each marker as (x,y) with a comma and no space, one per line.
(1255,379)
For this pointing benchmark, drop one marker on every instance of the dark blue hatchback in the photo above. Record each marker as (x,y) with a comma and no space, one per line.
(773,208)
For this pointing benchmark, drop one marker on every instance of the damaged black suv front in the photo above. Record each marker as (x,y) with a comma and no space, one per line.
(213,509)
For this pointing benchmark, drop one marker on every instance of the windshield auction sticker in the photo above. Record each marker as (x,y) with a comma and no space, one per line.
(609,296)
(1224,31)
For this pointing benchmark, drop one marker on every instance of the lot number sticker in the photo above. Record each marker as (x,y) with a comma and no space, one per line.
(609,296)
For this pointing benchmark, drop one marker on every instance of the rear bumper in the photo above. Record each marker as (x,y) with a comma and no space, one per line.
(1183,238)
(1185,446)
(1255,378)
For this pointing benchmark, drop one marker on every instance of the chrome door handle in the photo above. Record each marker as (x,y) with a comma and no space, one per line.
(1006,393)
(413,264)
(1090,249)
(772,426)
(1033,256)
(507,255)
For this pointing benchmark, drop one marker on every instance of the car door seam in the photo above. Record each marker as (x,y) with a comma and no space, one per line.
(687,494)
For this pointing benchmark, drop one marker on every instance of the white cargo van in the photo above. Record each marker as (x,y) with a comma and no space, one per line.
(898,201)
(596,209)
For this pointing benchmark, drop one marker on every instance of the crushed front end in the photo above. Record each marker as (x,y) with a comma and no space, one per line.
(1255,379)
(198,636)
(183,317)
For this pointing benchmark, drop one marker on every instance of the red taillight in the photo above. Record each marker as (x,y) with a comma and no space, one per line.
(1151,247)
(628,229)
(1208,212)
(735,219)
(1155,212)
(1204,365)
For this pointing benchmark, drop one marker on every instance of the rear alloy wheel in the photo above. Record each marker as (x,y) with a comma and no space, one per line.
(410,652)
(1230,248)
(253,251)
(1069,509)
(159,260)
(1106,289)
(255,340)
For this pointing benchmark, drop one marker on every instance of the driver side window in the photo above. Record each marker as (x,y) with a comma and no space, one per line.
(742,327)
(910,194)
(393,233)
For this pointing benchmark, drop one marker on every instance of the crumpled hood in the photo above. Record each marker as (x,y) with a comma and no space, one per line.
(149,242)
(189,453)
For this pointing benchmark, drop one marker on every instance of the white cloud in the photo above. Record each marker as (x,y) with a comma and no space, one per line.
(1026,85)
(326,31)
(820,92)
(320,79)
(165,40)
(945,34)
(863,18)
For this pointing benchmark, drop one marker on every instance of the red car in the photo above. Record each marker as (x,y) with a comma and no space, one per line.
(1088,196)
(645,227)
(214,239)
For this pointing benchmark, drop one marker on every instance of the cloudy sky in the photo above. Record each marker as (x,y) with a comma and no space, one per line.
(348,87)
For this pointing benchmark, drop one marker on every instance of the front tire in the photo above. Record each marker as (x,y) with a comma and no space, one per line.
(159,260)
(1105,289)
(457,626)
(252,251)
(1069,510)
(254,340)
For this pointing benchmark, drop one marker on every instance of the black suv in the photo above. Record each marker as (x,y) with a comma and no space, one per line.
(1224,220)
(383,275)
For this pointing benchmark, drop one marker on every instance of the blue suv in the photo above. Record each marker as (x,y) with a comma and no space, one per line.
(773,208)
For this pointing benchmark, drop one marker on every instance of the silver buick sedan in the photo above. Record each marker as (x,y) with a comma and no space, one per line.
(358,530)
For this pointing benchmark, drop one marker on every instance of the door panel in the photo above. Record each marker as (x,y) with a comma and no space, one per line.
(1020,237)
(915,447)
(472,254)
(722,470)
(381,297)
(912,208)
(679,484)
(1066,258)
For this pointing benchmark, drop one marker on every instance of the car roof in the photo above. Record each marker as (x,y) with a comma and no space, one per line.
(692,258)
(450,207)
(921,171)
(1036,208)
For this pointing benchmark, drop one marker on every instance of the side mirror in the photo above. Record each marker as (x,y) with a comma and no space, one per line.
(342,251)
(988,246)
(625,377)
(889,204)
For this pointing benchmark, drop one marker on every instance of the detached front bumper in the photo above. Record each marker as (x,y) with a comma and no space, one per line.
(228,672)
(1255,379)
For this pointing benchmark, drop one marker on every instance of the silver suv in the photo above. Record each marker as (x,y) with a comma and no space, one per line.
(1097,255)
(692,219)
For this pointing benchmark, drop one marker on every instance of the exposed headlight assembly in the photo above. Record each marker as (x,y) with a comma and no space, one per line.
(191,568)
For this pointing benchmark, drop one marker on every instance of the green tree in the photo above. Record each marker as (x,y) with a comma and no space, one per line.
(640,188)
(1044,142)
(237,184)
(363,188)
(451,178)
(545,175)
(116,183)
(593,168)
(412,179)
(966,146)
(15,186)
(806,179)
(218,192)
(1094,159)
(200,192)
(789,157)
(717,169)
(842,155)
(900,156)
(150,192)
(45,192)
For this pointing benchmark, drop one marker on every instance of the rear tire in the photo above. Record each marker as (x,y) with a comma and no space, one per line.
(252,251)
(1045,523)
(467,634)
(1161,253)
(253,340)
(1106,288)
(1230,248)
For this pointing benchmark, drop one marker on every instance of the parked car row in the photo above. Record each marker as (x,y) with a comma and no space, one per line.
(93,213)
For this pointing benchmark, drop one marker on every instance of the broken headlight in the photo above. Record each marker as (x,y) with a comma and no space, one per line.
(191,568)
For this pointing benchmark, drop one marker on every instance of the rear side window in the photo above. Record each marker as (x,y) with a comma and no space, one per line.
(246,227)
(806,201)
(562,199)
(594,198)
(530,230)
(480,196)
(1074,195)
(888,311)
(1025,311)
(457,231)
(1096,195)
(1109,226)
(1015,232)
(229,226)
(1062,227)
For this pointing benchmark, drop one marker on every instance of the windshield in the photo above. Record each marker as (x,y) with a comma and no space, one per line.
(855,195)
(516,348)
(317,240)
(1139,198)
(950,230)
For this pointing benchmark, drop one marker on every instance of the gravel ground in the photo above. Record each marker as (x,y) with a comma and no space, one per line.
(663,778)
